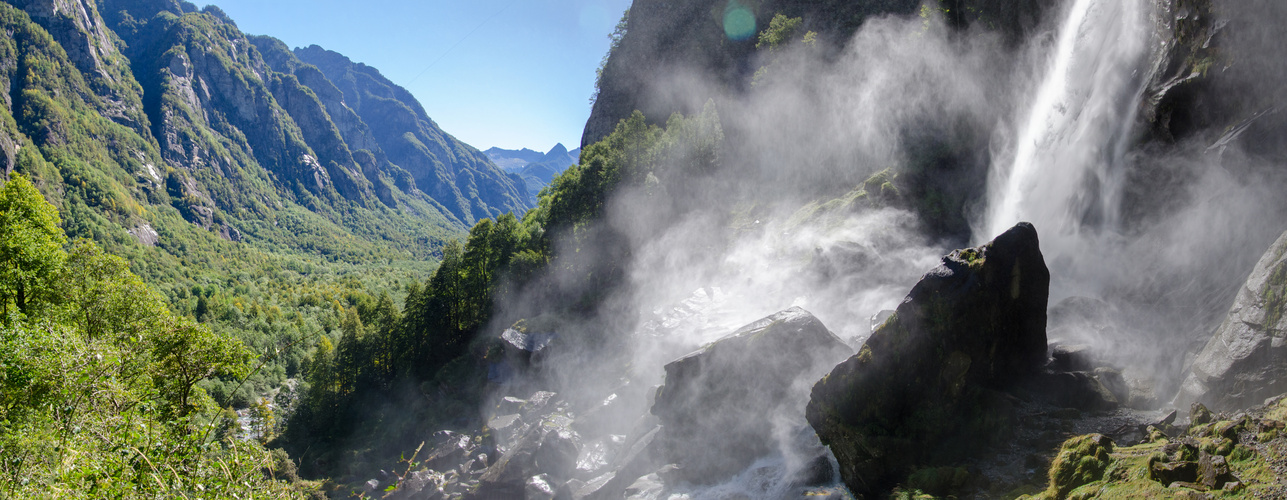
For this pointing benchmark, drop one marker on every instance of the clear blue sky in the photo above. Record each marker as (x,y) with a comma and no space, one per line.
(506,73)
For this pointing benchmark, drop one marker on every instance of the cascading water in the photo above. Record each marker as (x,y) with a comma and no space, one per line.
(1064,165)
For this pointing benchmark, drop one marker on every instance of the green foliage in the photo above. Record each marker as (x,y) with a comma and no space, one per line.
(780,30)
(98,393)
(30,245)
(615,37)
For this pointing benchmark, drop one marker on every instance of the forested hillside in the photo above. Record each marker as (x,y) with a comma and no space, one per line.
(254,200)
(250,209)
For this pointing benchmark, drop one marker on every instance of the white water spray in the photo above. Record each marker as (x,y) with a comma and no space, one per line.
(1064,174)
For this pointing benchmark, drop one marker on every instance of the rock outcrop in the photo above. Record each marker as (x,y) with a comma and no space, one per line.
(1245,362)
(925,390)
(719,404)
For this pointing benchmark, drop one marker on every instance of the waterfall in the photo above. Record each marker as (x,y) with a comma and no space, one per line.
(1064,167)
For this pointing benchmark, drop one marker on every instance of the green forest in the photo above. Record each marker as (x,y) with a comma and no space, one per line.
(137,379)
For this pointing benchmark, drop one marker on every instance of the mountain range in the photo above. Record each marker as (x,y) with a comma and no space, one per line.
(150,122)
(536,169)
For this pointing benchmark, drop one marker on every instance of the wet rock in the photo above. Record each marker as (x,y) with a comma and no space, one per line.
(566,490)
(816,472)
(147,236)
(926,385)
(595,455)
(557,455)
(1166,420)
(1245,362)
(880,318)
(539,487)
(640,457)
(718,405)
(595,488)
(1071,358)
(549,448)
(649,487)
(419,485)
(509,405)
(505,428)
(541,403)
(507,478)
(1078,390)
(613,413)
(228,233)
(1112,380)
(452,449)
(525,350)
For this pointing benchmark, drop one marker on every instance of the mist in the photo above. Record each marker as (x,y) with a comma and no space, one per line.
(1148,236)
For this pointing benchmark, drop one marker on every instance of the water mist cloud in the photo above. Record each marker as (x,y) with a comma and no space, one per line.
(1174,230)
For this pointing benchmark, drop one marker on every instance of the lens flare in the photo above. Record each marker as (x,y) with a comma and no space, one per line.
(739,21)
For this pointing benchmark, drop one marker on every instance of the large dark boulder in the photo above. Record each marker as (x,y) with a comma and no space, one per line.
(718,405)
(925,390)
(1245,362)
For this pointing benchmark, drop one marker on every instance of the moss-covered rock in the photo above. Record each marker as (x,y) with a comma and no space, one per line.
(1220,458)
(1081,460)
(925,390)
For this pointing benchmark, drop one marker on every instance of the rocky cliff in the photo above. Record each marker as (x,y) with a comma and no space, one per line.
(670,44)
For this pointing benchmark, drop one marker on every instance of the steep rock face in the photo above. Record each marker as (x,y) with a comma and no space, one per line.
(320,134)
(923,390)
(354,133)
(665,39)
(215,116)
(1245,362)
(77,26)
(455,174)
(719,404)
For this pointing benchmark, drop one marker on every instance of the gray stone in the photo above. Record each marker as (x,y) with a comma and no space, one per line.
(539,487)
(720,404)
(648,487)
(1246,360)
(452,449)
(557,455)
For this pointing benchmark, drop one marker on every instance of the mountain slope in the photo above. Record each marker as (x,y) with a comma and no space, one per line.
(449,170)
(252,198)
(155,106)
